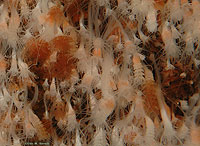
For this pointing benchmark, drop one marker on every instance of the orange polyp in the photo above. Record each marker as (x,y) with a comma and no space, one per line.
(55,15)
(148,75)
(166,34)
(150,98)
(195,3)
(120,1)
(47,123)
(3,26)
(116,39)
(195,6)
(37,50)
(128,43)
(133,25)
(122,84)
(3,63)
(168,110)
(184,2)
(109,104)
(130,136)
(35,54)
(65,24)
(42,18)
(15,18)
(87,79)
(187,14)
(159,4)
(64,65)
(29,126)
(63,43)
(13,3)
(112,85)
(75,8)
(136,59)
(116,32)
(195,135)
(58,110)
(97,52)
(176,3)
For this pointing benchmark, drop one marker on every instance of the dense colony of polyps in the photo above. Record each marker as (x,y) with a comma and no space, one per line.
(100,72)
